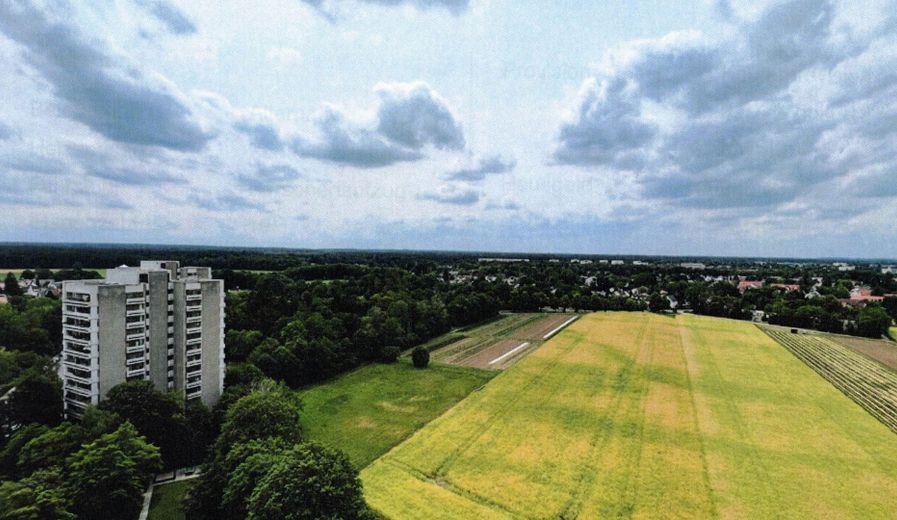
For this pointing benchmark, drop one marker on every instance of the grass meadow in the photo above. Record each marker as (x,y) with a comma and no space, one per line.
(167,500)
(368,411)
(642,415)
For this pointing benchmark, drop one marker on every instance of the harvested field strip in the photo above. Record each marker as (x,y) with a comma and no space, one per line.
(868,383)
(509,353)
(883,351)
(559,327)
(509,332)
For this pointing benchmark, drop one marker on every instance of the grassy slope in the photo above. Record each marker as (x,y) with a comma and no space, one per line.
(630,414)
(166,501)
(370,410)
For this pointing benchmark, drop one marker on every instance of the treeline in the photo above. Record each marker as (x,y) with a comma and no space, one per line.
(300,331)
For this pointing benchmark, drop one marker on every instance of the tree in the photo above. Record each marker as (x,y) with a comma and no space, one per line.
(658,303)
(309,482)
(34,498)
(241,343)
(11,285)
(157,416)
(390,354)
(267,416)
(270,411)
(37,398)
(873,321)
(246,465)
(420,357)
(107,477)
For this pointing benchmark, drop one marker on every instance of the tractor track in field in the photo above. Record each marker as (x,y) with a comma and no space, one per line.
(588,476)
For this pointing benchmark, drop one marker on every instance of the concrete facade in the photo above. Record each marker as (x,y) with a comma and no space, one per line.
(157,322)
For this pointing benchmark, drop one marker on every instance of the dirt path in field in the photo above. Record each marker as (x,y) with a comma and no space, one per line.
(509,344)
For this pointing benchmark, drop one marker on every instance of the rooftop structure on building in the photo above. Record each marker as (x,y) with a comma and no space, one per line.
(158,322)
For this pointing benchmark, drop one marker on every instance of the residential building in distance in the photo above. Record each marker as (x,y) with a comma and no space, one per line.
(157,322)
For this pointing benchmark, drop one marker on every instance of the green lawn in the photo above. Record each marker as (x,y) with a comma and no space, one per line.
(370,410)
(637,415)
(167,501)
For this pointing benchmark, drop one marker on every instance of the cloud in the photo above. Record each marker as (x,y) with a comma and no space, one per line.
(334,9)
(224,202)
(167,13)
(757,118)
(262,128)
(488,165)
(414,115)
(25,161)
(269,178)
(342,142)
(409,118)
(121,103)
(6,131)
(453,194)
(283,56)
(103,166)
(503,204)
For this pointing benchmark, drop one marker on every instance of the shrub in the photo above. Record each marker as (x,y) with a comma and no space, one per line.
(420,357)
(390,354)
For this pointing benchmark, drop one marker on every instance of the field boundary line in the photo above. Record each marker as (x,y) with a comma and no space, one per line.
(559,327)
(450,486)
(705,466)
(755,465)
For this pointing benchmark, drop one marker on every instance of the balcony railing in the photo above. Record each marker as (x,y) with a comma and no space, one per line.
(134,372)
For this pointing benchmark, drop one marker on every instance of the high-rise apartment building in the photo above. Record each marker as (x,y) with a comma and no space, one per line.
(158,322)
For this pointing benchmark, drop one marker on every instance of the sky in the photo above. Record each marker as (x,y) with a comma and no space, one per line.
(754,128)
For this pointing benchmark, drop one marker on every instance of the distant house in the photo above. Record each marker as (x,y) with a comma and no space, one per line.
(864,295)
(788,287)
(3,299)
(889,269)
(744,285)
(693,265)
(617,262)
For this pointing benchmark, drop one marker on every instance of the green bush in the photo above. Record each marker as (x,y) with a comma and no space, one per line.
(390,354)
(420,357)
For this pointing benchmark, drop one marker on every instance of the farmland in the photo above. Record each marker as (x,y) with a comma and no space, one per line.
(370,410)
(867,382)
(641,415)
(497,344)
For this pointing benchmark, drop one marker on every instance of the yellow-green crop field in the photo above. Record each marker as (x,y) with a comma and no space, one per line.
(646,416)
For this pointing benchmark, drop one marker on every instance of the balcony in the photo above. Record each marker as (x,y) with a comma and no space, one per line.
(77,375)
(84,392)
(134,300)
(194,297)
(77,297)
(194,363)
(77,309)
(135,372)
(194,384)
(76,360)
(139,360)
